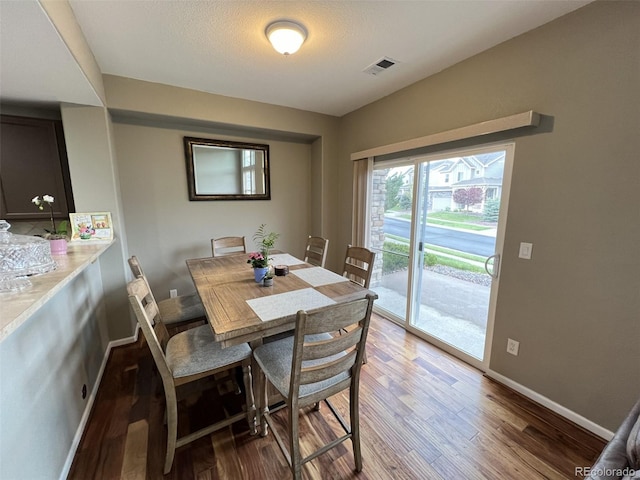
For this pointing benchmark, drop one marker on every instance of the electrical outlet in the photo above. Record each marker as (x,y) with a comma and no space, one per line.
(513,347)
(173,293)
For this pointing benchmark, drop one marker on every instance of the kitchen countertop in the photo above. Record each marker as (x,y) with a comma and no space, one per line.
(17,307)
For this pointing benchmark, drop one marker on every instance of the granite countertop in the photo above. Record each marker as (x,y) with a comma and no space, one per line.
(17,307)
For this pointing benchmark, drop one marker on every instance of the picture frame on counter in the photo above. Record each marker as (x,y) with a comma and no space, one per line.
(91,227)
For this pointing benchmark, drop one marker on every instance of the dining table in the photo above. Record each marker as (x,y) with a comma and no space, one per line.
(239,309)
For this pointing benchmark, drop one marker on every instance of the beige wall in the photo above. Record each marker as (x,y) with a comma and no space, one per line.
(164,228)
(574,194)
(96,188)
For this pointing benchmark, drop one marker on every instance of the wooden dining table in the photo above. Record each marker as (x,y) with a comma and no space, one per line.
(241,310)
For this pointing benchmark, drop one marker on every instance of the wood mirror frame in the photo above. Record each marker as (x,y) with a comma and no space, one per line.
(226,170)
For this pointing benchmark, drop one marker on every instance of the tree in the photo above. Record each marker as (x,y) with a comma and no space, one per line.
(491,210)
(468,196)
(393,183)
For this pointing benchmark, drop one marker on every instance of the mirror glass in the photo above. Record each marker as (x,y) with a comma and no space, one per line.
(225,170)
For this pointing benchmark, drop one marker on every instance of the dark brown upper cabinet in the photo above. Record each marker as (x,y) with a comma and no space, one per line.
(33,162)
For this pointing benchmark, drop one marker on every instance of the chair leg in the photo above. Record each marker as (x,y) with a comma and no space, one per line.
(172,430)
(251,405)
(294,443)
(263,403)
(354,412)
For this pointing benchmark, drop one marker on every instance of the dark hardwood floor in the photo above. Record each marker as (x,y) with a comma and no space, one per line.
(424,415)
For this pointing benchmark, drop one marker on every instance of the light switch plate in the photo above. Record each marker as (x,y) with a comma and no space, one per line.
(525,250)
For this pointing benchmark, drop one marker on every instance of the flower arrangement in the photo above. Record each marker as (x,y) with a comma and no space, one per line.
(54,233)
(257,260)
(265,242)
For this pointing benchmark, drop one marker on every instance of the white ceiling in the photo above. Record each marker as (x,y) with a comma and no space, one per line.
(219,46)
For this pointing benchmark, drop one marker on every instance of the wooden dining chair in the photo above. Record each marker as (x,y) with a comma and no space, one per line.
(184,358)
(223,246)
(358,265)
(174,311)
(316,250)
(310,367)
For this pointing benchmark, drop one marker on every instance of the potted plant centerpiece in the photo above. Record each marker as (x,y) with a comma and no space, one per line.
(57,236)
(259,260)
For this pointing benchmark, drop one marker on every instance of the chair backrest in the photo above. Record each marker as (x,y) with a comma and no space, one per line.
(316,251)
(136,268)
(358,265)
(154,331)
(221,247)
(338,356)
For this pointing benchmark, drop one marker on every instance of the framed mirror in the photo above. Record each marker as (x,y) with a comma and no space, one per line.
(226,170)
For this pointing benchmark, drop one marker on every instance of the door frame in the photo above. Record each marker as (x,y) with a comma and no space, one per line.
(415,160)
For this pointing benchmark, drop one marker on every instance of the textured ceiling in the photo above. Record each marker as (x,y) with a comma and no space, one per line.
(220,46)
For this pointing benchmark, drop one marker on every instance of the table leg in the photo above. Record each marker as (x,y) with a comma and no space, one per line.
(260,390)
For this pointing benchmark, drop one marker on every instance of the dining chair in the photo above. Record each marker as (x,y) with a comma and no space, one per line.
(316,250)
(358,265)
(173,311)
(310,367)
(184,358)
(223,246)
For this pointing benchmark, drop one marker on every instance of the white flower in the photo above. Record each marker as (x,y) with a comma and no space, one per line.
(47,198)
(36,200)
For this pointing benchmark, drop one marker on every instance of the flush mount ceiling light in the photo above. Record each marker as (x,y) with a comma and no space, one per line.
(286,37)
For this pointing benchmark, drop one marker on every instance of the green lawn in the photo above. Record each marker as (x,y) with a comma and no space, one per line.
(462,217)
(453,219)
(458,262)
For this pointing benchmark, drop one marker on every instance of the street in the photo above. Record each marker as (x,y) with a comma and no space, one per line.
(445,237)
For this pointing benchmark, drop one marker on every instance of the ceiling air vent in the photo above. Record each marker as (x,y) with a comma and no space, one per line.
(380,66)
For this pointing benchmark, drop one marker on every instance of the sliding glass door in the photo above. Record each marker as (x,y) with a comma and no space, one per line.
(437,223)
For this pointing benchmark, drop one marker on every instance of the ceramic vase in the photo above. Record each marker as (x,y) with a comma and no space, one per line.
(58,246)
(259,273)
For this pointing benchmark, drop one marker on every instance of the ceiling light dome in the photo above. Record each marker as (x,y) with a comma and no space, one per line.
(286,37)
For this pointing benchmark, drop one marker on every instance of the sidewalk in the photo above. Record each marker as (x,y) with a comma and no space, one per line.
(452,310)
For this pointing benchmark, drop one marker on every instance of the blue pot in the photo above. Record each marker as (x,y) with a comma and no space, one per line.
(260,273)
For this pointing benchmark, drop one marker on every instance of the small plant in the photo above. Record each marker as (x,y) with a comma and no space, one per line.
(258,260)
(265,242)
(54,233)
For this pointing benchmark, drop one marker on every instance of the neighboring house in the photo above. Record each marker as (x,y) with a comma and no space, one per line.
(482,171)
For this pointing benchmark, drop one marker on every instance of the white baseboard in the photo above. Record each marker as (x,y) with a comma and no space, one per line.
(551,405)
(88,407)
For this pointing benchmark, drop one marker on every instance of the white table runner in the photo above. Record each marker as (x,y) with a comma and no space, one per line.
(283,304)
(318,276)
(285,259)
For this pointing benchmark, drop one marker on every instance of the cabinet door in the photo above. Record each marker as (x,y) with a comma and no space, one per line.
(32,163)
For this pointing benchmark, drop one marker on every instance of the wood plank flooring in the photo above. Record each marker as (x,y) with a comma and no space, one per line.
(423,414)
